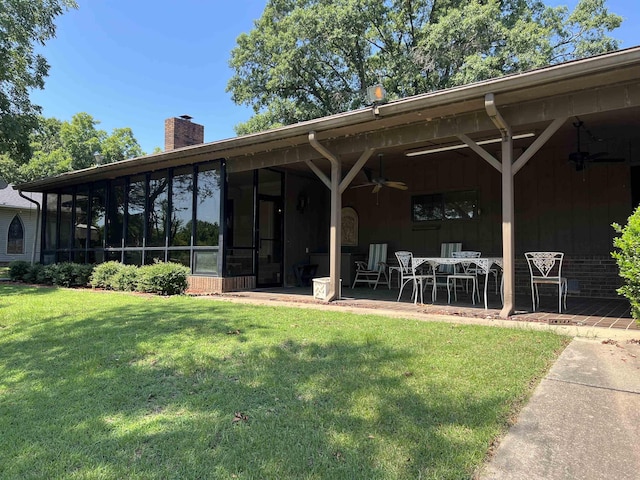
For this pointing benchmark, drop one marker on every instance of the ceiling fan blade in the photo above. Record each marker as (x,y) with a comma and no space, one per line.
(377,188)
(595,156)
(582,158)
(363,185)
(398,185)
(578,156)
(607,160)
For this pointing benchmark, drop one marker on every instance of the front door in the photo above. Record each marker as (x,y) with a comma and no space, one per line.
(270,244)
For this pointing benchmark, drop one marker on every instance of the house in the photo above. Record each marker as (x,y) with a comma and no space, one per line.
(19,225)
(542,160)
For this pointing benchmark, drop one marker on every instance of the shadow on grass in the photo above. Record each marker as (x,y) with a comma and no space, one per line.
(196,389)
(14,288)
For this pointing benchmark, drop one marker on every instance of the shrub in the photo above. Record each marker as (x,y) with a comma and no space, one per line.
(18,270)
(83,272)
(35,274)
(125,279)
(628,258)
(163,278)
(54,274)
(68,274)
(103,274)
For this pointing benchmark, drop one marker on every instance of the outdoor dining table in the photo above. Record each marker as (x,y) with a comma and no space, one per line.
(483,263)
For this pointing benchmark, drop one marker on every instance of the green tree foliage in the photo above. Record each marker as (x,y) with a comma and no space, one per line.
(627,256)
(120,145)
(81,139)
(24,26)
(309,58)
(59,147)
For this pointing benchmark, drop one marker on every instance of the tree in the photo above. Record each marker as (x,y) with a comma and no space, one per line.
(120,145)
(59,147)
(81,140)
(309,58)
(23,26)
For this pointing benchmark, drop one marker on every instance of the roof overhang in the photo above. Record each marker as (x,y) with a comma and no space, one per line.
(606,82)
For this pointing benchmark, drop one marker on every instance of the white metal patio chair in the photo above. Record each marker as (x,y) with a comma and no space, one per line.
(467,271)
(441,273)
(546,269)
(374,269)
(409,273)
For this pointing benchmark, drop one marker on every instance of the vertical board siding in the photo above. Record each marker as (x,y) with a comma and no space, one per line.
(556,208)
(29,223)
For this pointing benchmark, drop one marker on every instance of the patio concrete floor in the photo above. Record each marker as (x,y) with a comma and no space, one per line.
(581,312)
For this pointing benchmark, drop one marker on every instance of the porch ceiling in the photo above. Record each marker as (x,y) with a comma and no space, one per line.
(607,85)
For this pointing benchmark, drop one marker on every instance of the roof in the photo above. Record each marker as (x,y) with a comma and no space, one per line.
(291,143)
(10,198)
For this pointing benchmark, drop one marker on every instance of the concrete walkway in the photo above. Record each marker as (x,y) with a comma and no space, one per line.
(583,420)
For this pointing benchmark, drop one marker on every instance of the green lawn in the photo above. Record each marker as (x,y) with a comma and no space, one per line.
(107,385)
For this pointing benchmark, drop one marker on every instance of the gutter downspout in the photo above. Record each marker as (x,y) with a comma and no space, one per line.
(37,233)
(508,243)
(334,233)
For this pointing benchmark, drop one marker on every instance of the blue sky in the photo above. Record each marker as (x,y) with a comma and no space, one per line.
(133,63)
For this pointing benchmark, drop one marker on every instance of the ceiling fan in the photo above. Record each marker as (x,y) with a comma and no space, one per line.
(378,182)
(581,158)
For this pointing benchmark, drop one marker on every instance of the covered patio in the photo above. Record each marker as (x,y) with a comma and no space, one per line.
(537,189)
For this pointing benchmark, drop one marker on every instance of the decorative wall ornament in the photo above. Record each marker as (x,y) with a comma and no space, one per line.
(303,202)
(349,227)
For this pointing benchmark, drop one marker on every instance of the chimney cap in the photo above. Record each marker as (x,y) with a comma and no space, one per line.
(186,117)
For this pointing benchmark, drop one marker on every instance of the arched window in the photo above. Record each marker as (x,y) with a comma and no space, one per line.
(15,238)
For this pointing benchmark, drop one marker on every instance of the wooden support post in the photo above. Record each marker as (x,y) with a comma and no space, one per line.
(335,239)
(508,243)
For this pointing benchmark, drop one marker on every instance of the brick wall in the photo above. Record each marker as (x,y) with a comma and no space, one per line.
(198,284)
(594,276)
(182,132)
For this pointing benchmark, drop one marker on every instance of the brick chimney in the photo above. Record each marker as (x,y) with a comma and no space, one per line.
(181,132)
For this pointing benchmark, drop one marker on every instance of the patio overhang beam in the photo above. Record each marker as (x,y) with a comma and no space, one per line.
(537,144)
(431,130)
(493,161)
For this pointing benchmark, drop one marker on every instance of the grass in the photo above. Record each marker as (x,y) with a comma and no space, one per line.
(100,385)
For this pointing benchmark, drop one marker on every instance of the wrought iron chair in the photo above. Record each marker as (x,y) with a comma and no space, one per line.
(441,273)
(467,271)
(546,269)
(409,273)
(375,268)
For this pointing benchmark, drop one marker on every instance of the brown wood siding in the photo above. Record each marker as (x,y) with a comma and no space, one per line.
(390,220)
(559,208)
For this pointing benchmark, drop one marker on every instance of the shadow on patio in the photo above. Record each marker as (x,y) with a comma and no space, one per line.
(605,313)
